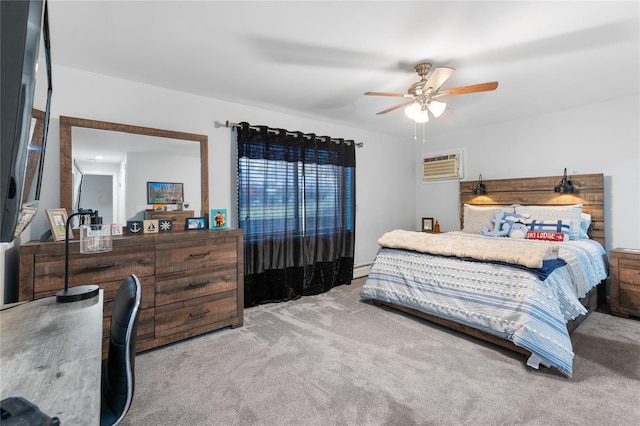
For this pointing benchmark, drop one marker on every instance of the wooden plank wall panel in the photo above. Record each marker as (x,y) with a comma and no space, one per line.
(588,191)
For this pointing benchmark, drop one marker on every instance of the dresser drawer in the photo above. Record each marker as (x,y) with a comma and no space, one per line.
(196,313)
(147,285)
(171,288)
(183,256)
(97,268)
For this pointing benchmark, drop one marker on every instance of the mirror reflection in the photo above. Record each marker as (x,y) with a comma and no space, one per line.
(110,164)
(111,170)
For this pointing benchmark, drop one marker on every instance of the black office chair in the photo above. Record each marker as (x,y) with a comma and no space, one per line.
(118,376)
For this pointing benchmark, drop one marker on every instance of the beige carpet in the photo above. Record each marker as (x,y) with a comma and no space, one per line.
(334,360)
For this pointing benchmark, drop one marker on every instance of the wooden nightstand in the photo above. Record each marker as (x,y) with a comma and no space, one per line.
(625,282)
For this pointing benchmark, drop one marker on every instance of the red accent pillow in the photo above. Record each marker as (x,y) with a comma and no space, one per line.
(547,236)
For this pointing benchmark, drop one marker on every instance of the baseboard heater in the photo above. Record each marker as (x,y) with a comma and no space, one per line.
(361,270)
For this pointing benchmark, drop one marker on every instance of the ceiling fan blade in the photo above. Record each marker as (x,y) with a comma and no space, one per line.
(437,78)
(463,90)
(399,95)
(393,108)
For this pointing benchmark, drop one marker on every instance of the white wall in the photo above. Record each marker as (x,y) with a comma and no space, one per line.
(89,199)
(99,195)
(384,173)
(600,138)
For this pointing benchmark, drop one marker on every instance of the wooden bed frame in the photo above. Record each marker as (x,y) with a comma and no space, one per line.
(588,191)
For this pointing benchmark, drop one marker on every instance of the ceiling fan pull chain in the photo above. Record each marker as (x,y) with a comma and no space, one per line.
(423,138)
(415,131)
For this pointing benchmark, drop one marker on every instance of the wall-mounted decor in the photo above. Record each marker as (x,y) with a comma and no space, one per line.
(218,219)
(427,224)
(195,223)
(58,220)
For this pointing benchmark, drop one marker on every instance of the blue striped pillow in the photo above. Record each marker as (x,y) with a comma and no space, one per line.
(569,215)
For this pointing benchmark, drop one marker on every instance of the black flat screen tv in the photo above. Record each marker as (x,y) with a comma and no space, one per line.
(24,26)
(165,193)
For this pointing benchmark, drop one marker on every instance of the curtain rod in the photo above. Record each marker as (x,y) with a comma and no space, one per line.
(323,139)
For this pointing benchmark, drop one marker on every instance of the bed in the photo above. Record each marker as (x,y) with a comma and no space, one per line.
(523,294)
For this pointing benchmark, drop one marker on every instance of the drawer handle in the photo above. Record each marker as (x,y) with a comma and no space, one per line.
(105,266)
(199,254)
(199,314)
(198,285)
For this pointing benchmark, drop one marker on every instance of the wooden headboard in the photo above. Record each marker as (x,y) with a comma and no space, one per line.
(588,191)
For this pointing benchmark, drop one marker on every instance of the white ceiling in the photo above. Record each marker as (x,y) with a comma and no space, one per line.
(316,59)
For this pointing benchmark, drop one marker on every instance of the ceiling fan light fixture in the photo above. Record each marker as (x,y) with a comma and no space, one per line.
(437,108)
(412,110)
(422,116)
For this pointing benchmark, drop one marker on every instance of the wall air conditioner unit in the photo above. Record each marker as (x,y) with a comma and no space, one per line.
(441,167)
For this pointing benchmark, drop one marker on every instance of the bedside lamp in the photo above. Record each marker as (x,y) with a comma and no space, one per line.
(480,188)
(94,238)
(565,185)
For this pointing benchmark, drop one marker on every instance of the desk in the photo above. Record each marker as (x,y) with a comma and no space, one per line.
(50,354)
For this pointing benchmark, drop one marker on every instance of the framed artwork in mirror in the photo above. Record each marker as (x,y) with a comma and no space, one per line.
(58,223)
(427,224)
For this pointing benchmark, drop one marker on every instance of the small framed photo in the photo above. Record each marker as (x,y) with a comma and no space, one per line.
(218,219)
(195,223)
(427,224)
(26,216)
(116,229)
(58,223)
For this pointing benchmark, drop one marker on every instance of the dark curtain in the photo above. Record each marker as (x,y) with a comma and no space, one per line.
(296,206)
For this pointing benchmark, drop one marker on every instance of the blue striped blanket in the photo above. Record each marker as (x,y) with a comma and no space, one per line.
(508,302)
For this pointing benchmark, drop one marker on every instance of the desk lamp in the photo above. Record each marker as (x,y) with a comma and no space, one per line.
(94,238)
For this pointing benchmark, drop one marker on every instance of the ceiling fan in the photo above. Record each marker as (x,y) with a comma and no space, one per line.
(424,94)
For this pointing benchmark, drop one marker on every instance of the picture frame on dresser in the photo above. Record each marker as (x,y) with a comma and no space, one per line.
(193,223)
(427,224)
(58,222)
(218,219)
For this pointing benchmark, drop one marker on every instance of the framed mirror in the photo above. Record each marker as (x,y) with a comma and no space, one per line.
(135,141)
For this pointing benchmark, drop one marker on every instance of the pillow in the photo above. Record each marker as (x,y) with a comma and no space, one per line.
(476,217)
(568,215)
(585,223)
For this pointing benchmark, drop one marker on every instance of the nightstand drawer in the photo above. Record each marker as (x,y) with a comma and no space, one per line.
(629,296)
(625,282)
(629,271)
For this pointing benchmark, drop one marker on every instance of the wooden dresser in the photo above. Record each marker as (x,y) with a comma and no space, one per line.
(625,282)
(192,281)
(177,216)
